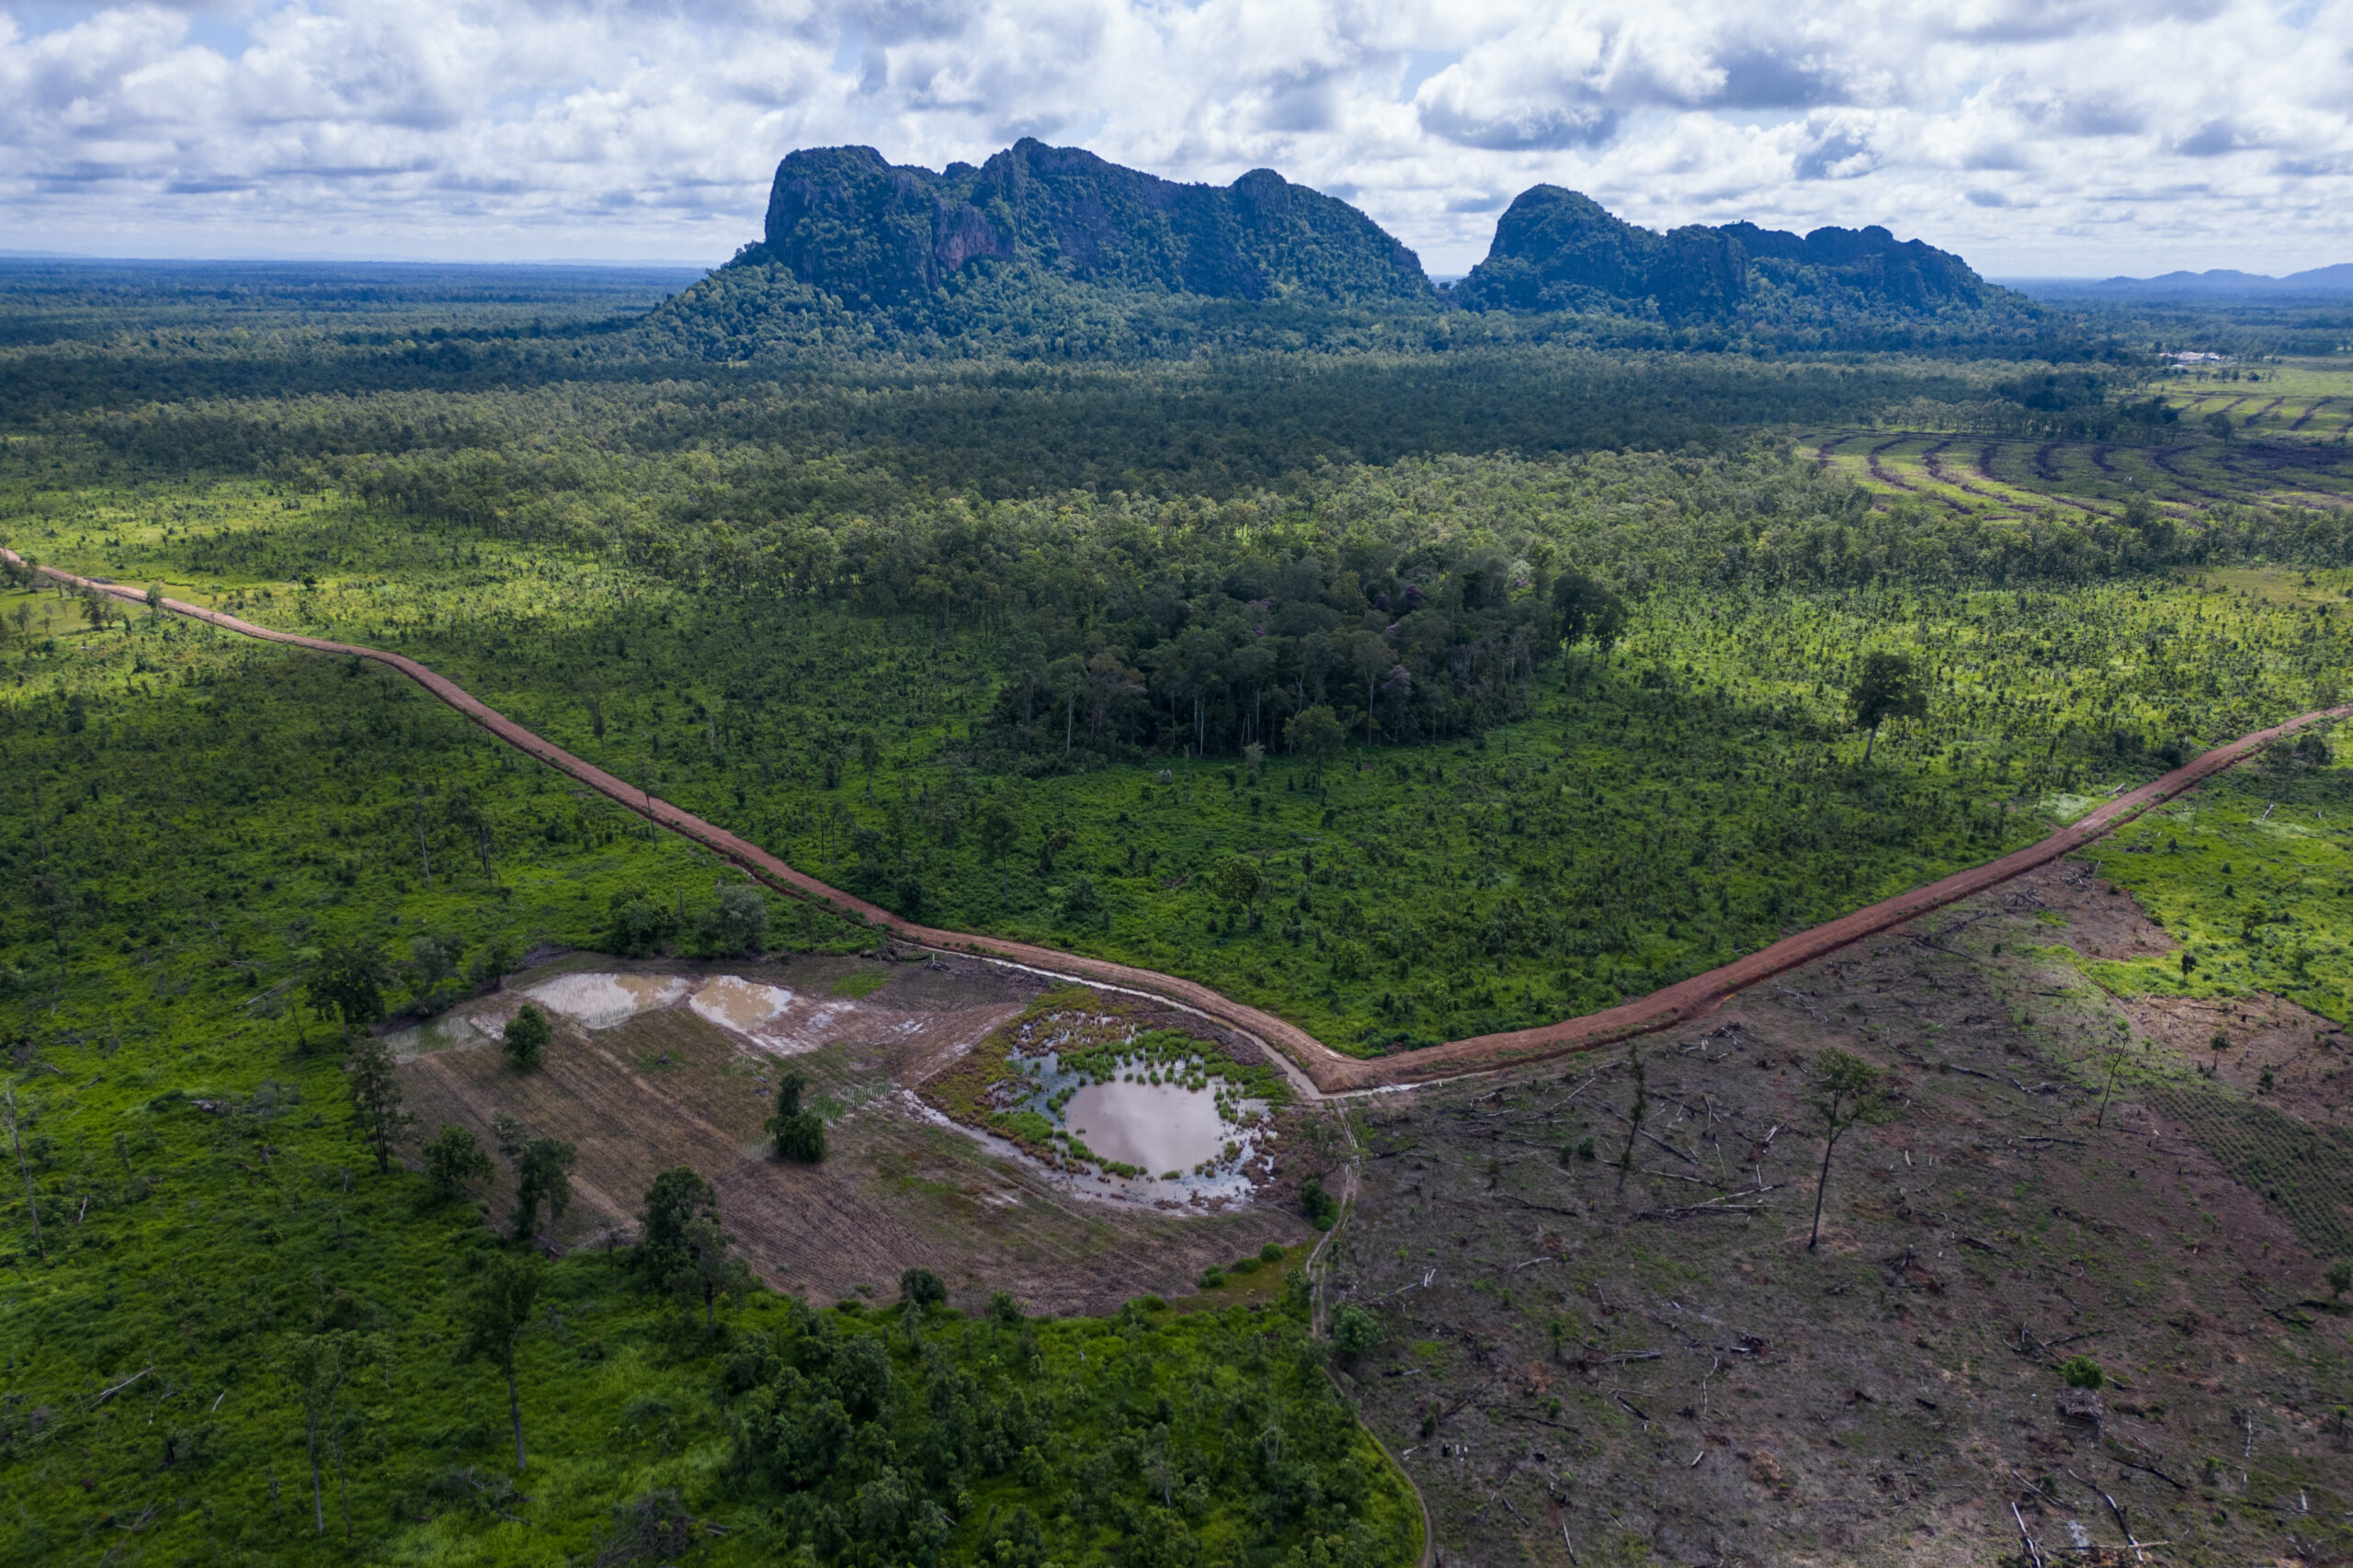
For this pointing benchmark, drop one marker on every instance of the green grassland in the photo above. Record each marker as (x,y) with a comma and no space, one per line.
(2252,877)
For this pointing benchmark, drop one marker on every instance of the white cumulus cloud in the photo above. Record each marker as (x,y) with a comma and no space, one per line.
(2030,135)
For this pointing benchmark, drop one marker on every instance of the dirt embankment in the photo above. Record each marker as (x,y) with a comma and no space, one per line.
(1329,1071)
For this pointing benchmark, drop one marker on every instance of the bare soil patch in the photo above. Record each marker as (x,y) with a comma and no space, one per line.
(671,1086)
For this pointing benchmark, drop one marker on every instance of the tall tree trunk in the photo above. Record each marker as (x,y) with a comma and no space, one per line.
(1821,1187)
(1870,741)
(515,1409)
(318,1496)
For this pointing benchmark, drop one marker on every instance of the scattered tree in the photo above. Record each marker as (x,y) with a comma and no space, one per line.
(543,1168)
(1844,1091)
(498,1312)
(799,1134)
(1315,734)
(1890,686)
(454,1161)
(315,1368)
(526,1038)
(678,1196)
(1355,1331)
(348,981)
(376,1111)
(1235,881)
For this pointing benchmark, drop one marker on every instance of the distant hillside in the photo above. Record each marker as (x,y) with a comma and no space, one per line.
(1560,250)
(2319,282)
(871,232)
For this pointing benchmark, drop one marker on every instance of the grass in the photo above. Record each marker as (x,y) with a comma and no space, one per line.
(2251,877)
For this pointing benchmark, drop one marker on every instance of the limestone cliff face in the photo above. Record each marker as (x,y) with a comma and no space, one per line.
(1558,249)
(875,234)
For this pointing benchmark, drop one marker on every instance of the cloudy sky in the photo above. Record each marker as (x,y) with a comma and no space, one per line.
(2033,136)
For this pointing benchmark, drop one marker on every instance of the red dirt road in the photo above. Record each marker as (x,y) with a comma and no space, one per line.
(1331,1071)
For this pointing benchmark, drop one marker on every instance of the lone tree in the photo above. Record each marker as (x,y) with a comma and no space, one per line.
(1234,879)
(542,1169)
(1844,1091)
(316,1367)
(800,1134)
(682,1248)
(1890,686)
(678,1196)
(998,830)
(454,1161)
(1634,1117)
(348,981)
(375,1112)
(527,1037)
(497,1314)
(1315,734)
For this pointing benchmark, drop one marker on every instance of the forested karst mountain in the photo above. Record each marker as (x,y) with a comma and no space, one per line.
(844,221)
(1053,252)
(1561,250)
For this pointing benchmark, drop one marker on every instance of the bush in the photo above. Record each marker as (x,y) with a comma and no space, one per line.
(2340,1277)
(527,1037)
(454,1161)
(1211,1278)
(1271,1252)
(2082,1372)
(922,1287)
(1355,1331)
(1321,1206)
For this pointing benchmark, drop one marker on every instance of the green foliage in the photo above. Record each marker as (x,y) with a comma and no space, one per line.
(1319,1207)
(454,1161)
(1355,1331)
(375,1089)
(797,1133)
(2082,1372)
(2340,1276)
(921,1288)
(1889,686)
(526,1037)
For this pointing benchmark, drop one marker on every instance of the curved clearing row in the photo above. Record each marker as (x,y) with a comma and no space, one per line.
(1328,1071)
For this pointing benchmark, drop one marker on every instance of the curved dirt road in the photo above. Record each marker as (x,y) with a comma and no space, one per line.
(1327,1069)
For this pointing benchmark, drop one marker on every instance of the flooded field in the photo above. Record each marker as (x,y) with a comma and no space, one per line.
(1148,1114)
(600,1001)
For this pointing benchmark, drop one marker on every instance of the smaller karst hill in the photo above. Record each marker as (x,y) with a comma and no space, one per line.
(1561,250)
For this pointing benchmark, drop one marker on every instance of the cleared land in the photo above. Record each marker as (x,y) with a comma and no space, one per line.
(668,1087)
(1664,1371)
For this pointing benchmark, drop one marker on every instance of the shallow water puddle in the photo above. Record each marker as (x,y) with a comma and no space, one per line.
(600,1001)
(1156,1127)
(433,1034)
(744,1005)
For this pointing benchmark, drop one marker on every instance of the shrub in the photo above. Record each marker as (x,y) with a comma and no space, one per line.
(1355,1331)
(454,1161)
(2339,1276)
(2082,1372)
(922,1287)
(1322,1208)
(1271,1252)
(527,1036)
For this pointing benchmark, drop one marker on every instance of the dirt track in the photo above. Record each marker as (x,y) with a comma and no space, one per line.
(1328,1069)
